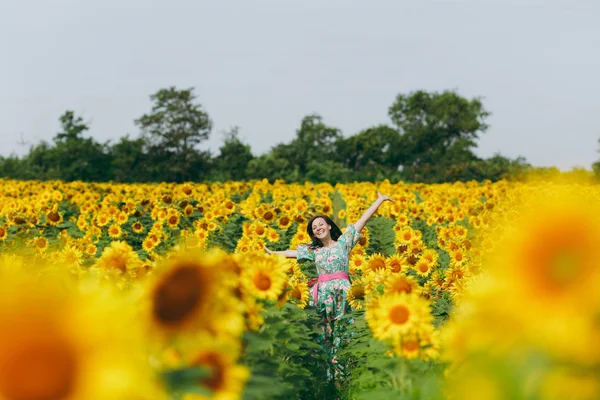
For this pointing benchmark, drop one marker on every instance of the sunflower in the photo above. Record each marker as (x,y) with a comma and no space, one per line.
(397,263)
(137,227)
(456,272)
(405,235)
(121,218)
(460,232)
(341,215)
(458,256)
(268,216)
(253,313)
(226,379)
(102,219)
(431,256)
(437,281)
(59,343)
(356,263)
(292,267)
(265,277)
(187,189)
(422,267)
(148,245)
(54,217)
(356,295)
(40,243)
(259,229)
(298,292)
(397,314)
(82,224)
(115,231)
(284,222)
(375,263)
(173,221)
(400,283)
(229,206)
(71,257)
(118,258)
(183,295)
(365,238)
(374,281)
(91,249)
(407,346)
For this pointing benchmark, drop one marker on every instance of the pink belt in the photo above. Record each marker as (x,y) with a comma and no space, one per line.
(324,278)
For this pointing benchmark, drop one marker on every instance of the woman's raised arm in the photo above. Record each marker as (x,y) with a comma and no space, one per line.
(371,210)
(285,253)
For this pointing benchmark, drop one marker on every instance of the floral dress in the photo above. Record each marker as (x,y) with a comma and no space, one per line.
(331,299)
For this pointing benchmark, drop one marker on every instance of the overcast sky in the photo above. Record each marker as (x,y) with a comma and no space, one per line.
(262,65)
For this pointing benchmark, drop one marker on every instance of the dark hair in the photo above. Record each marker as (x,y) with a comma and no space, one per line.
(335,230)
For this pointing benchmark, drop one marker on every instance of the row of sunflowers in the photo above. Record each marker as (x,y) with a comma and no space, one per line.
(150,291)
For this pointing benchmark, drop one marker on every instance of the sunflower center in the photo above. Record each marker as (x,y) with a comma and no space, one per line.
(284,221)
(402,286)
(399,315)
(410,345)
(268,216)
(178,295)
(377,264)
(38,368)
(262,281)
(53,216)
(564,256)
(296,294)
(564,267)
(118,262)
(41,243)
(396,266)
(358,292)
(214,362)
(423,267)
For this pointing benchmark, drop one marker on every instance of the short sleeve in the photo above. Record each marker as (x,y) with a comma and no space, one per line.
(350,237)
(304,253)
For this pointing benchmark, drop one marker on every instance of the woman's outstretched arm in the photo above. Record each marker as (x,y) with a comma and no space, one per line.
(285,253)
(370,211)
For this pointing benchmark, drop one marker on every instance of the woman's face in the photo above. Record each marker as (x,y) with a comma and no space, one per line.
(320,228)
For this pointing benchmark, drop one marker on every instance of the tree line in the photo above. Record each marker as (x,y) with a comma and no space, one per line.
(431,139)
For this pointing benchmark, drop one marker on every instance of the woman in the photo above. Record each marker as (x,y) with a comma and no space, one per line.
(330,250)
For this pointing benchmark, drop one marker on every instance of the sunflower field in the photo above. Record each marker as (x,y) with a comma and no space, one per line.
(473,290)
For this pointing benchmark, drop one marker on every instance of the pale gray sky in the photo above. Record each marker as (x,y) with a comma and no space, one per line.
(264,64)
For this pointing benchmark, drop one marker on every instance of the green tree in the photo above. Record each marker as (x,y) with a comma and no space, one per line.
(438,131)
(74,157)
(314,141)
(12,167)
(233,159)
(272,167)
(129,161)
(373,154)
(173,130)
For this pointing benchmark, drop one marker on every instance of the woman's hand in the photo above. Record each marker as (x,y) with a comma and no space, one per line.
(268,251)
(384,197)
